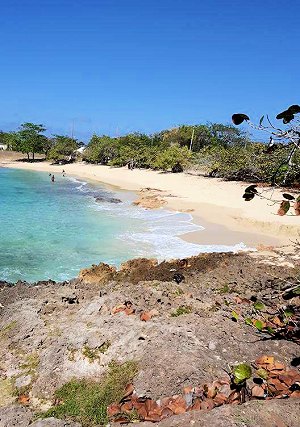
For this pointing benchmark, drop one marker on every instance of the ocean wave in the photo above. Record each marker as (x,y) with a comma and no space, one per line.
(154,233)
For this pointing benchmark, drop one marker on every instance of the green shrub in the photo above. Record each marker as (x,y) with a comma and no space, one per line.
(173,155)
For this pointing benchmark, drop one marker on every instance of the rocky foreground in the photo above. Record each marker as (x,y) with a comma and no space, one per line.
(179,324)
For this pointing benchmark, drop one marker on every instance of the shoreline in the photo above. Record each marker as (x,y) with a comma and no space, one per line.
(227,219)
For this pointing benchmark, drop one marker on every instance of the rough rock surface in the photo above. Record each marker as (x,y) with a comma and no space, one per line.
(281,413)
(45,329)
(151,198)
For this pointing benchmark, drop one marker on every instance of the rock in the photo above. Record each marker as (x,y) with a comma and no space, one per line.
(150,199)
(212,345)
(172,352)
(138,264)
(107,200)
(15,416)
(23,381)
(275,413)
(54,422)
(97,274)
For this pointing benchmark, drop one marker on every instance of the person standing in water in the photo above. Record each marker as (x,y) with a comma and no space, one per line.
(53,178)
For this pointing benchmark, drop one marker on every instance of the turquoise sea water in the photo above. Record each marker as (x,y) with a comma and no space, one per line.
(52,230)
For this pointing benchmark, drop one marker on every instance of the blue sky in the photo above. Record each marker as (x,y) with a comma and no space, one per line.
(114,66)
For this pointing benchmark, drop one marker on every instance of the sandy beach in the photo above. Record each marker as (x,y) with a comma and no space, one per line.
(213,203)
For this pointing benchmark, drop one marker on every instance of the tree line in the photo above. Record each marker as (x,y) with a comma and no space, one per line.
(30,139)
(214,149)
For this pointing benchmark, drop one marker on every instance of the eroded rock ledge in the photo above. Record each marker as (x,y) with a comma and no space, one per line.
(53,332)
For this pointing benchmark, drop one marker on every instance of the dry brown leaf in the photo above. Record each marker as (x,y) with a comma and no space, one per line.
(151,406)
(207,404)
(289,377)
(145,316)
(197,405)
(211,392)
(258,391)
(118,309)
(265,360)
(113,409)
(276,387)
(166,412)
(141,410)
(23,399)
(129,389)
(220,399)
(277,321)
(164,402)
(234,397)
(153,418)
(296,394)
(121,419)
(297,208)
(177,405)
(127,406)
(240,300)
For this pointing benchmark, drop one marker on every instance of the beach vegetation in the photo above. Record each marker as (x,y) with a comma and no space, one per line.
(61,147)
(86,401)
(212,149)
(172,156)
(183,309)
(101,150)
(30,139)
(284,143)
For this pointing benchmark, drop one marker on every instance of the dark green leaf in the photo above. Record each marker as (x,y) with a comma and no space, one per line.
(261,120)
(294,109)
(286,115)
(248,196)
(288,196)
(239,118)
(251,189)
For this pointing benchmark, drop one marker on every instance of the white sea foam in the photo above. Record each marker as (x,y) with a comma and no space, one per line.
(158,232)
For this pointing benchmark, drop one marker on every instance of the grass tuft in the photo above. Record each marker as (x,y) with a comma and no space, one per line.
(183,309)
(86,401)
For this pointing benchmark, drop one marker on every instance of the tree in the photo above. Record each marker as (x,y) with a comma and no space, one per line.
(9,139)
(194,137)
(172,157)
(62,146)
(101,149)
(30,139)
(227,135)
(287,139)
